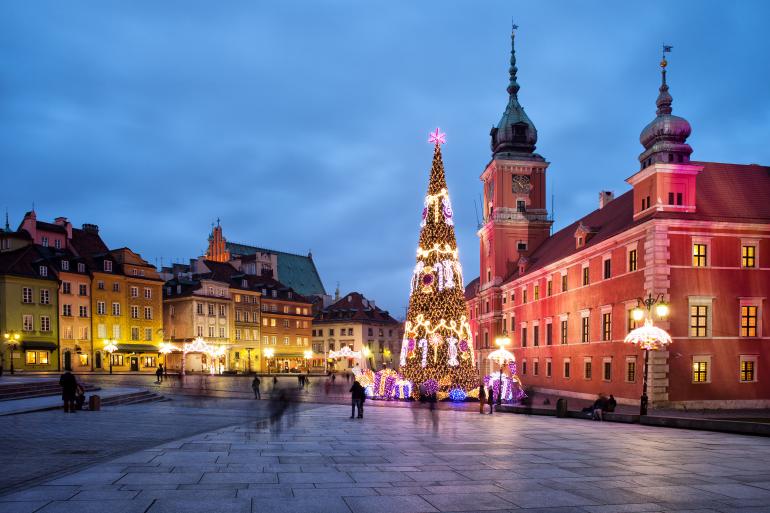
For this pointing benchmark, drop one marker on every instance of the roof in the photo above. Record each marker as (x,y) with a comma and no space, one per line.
(297,271)
(88,243)
(724,193)
(354,307)
(25,262)
(472,289)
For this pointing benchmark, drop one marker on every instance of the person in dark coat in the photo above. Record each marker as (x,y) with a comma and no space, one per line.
(611,403)
(491,400)
(69,387)
(159,373)
(255,386)
(482,397)
(357,396)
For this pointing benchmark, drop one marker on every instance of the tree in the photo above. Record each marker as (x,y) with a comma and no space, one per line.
(437,349)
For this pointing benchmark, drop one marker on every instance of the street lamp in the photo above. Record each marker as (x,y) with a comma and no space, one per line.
(648,337)
(308,355)
(501,356)
(367,355)
(12,339)
(268,353)
(110,346)
(165,349)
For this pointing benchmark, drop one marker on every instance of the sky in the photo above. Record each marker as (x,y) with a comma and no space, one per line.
(303,125)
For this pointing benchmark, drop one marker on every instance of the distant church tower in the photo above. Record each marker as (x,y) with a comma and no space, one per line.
(516,221)
(217,250)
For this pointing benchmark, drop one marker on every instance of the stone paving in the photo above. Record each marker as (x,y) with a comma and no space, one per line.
(409,460)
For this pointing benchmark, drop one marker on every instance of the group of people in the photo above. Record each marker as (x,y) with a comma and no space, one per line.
(72,392)
(601,405)
(486,396)
(357,396)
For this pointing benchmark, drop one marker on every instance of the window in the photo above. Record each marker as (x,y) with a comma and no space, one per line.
(273,339)
(536,335)
(26,295)
(700,369)
(134,333)
(537,292)
(116,287)
(237,334)
(101,330)
(586,276)
(222,310)
(43,271)
(748,320)
(607,369)
(699,320)
(67,333)
(630,370)
(148,334)
(108,266)
(631,323)
(548,334)
(100,285)
(44,242)
(36,357)
(199,330)
(520,206)
(83,311)
(587,368)
(45,323)
(66,287)
(748,367)
(65,265)
(28,323)
(82,289)
(117,360)
(548,367)
(148,313)
(607,269)
(632,260)
(523,296)
(748,256)
(286,323)
(286,341)
(116,309)
(566,368)
(272,323)
(563,331)
(134,312)
(299,341)
(564,282)
(66,310)
(536,368)
(45,297)
(273,308)
(148,361)
(211,310)
(211,331)
(486,340)
(134,291)
(606,326)
(584,329)
(116,331)
(101,308)
(523,336)
(699,254)
(81,267)
(199,308)
(222,332)
(549,288)
(524,367)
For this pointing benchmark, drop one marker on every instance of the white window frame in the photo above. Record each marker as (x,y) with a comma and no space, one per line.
(108,266)
(748,358)
(701,240)
(630,359)
(750,242)
(585,265)
(588,359)
(605,257)
(751,301)
(702,301)
(701,358)
(548,368)
(629,248)
(564,363)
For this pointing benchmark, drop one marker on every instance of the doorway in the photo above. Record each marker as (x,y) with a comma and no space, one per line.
(134,364)
(67,361)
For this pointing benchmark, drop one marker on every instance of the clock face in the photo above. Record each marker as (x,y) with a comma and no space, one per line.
(521,184)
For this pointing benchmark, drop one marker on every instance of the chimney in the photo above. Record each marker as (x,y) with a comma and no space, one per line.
(91,228)
(604,198)
(266,272)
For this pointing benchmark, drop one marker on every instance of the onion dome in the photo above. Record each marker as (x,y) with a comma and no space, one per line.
(515,135)
(664,138)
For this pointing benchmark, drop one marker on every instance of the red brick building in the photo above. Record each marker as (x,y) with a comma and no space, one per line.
(695,233)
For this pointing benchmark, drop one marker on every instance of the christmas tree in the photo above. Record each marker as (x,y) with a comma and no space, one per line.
(437,350)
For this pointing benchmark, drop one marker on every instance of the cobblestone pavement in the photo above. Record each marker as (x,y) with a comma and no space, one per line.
(38,445)
(411,460)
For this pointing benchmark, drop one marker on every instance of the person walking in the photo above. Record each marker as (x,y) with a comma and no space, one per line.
(482,397)
(255,386)
(69,387)
(159,374)
(491,399)
(356,400)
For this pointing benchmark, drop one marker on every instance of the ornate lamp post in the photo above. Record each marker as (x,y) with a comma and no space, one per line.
(501,356)
(165,349)
(648,337)
(12,340)
(110,346)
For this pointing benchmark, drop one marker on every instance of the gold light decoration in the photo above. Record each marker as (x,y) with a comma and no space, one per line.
(437,341)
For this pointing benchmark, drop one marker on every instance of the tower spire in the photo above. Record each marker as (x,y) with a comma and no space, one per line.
(513,85)
(664,97)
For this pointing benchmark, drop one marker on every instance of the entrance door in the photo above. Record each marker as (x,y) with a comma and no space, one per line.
(67,360)
(134,364)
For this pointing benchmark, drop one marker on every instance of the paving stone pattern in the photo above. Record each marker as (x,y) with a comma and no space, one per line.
(409,461)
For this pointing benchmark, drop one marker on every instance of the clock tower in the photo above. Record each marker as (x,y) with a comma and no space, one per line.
(515,221)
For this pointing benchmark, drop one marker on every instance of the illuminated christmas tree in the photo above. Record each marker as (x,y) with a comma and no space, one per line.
(437,350)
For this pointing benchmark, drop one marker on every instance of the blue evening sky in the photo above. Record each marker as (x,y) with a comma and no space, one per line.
(303,125)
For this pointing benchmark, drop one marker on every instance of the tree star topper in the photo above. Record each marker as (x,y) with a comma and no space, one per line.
(437,137)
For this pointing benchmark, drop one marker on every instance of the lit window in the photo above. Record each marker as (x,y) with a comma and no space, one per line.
(631,370)
(632,260)
(606,326)
(699,254)
(584,329)
(537,292)
(748,369)
(700,371)
(748,256)
(586,276)
(699,320)
(563,330)
(607,269)
(748,320)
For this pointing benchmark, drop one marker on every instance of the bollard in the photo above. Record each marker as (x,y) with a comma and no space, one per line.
(94,403)
(561,408)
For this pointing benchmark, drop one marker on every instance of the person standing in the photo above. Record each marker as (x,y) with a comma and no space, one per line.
(482,397)
(356,400)
(255,386)
(491,399)
(69,387)
(159,374)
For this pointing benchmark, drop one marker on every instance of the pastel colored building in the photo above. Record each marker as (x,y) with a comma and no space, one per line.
(695,234)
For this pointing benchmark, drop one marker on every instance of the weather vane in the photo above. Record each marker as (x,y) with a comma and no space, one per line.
(666,49)
(437,137)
